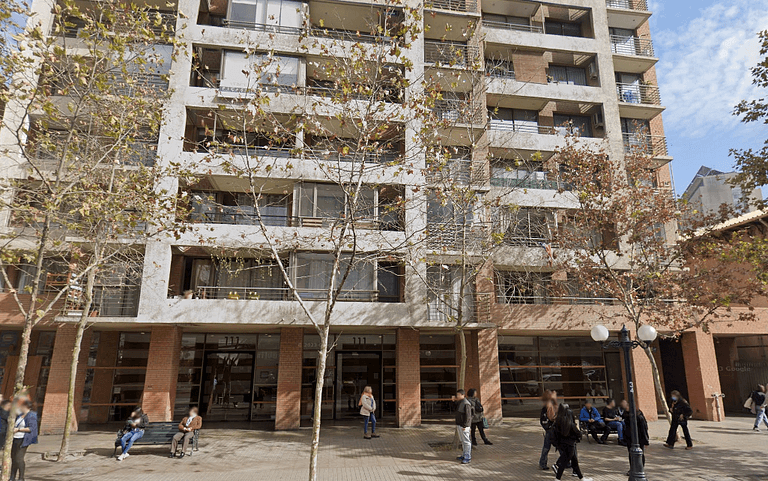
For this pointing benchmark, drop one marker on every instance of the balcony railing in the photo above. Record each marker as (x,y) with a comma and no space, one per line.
(496,70)
(260,27)
(458,111)
(367,157)
(457,171)
(140,152)
(655,145)
(450,54)
(244,215)
(143,82)
(108,301)
(639,47)
(452,5)
(553,299)
(530,183)
(638,94)
(456,237)
(512,26)
(349,35)
(639,5)
(280,294)
(523,127)
(159,23)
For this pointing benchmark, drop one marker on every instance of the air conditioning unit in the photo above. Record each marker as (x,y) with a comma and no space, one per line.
(592,70)
(598,120)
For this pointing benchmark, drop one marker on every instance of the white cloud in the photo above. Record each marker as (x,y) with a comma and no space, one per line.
(704,67)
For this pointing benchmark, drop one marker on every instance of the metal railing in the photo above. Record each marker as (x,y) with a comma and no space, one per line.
(452,5)
(638,94)
(367,157)
(459,111)
(108,301)
(523,127)
(159,23)
(655,145)
(639,5)
(455,170)
(450,54)
(530,183)
(378,95)
(239,149)
(338,34)
(512,26)
(140,152)
(554,299)
(639,47)
(495,70)
(456,237)
(244,215)
(260,27)
(281,294)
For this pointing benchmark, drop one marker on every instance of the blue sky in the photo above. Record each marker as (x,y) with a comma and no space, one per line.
(706,49)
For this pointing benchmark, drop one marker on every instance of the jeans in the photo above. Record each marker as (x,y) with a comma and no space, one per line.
(466,443)
(372,418)
(673,432)
(619,425)
(479,426)
(568,455)
(545,449)
(761,416)
(17,459)
(129,438)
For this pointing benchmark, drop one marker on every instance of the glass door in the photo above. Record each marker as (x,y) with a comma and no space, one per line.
(227,390)
(354,371)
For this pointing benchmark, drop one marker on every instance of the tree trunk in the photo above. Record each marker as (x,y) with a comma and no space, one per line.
(462,359)
(657,382)
(322,357)
(81,325)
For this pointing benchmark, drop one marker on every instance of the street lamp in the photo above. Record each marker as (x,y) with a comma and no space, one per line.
(646,334)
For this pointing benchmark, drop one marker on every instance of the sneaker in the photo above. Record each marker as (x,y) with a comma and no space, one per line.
(121,457)
(688,448)
(587,479)
(668,446)
(554,469)
(474,443)
(488,443)
(756,429)
(574,475)
(181,455)
(366,436)
(374,435)
(126,455)
(460,458)
(172,455)
(465,461)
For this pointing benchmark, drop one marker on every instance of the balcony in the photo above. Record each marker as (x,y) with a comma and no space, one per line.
(281,294)
(450,54)
(537,180)
(639,101)
(652,145)
(466,6)
(512,26)
(523,127)
(160,24)
(632,54)
(454,171)
(628,14)
(457,111)
(108,301)
(456,237)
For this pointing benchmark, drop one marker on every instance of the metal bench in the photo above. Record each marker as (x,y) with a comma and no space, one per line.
(584,428)
(157,434)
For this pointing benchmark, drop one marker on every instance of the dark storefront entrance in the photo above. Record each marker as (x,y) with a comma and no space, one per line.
(354,371)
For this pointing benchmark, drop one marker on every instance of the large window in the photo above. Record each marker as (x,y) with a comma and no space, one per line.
(280,14)
(573,124)
(573,366)
(439,367)
(568,75)
(242,73)
(529,226)
(563,28)
(314,273)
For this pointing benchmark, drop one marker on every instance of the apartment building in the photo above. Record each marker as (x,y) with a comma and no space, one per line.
(189,330)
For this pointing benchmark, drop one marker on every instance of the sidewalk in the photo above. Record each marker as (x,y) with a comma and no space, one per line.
(727,451)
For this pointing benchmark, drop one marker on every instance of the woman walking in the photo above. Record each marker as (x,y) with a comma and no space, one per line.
(759,400)
(24,435)
(477,417)
(368,409)
(565,435)
(681,412)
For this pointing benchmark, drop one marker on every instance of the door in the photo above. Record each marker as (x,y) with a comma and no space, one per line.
(354,371)
(623,41)
(629,88)
(615,378)
(227,387)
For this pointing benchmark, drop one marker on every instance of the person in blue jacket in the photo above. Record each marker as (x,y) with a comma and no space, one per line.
(24,435)
(594,422)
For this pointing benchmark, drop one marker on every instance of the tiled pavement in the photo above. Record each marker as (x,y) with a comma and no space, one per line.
(727,451)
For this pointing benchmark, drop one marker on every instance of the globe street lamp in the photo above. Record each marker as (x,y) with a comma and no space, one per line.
(646,334)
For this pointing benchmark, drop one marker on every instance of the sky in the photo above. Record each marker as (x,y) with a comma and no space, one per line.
(706,49)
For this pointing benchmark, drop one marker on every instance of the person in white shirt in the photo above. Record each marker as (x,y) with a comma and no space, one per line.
(368,409)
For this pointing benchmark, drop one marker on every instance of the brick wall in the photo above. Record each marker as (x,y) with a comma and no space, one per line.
(408,378)
(472,375)
(54,414)
(488,374)
(288,409)
(162,373)
(645,390)
(530,66)
(701,373)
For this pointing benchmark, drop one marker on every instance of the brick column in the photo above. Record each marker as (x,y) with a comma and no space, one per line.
(645,388)
(408,378)
(162,373)
(488,374)
(472,375)
(55,403)
(701,373)
(103,377)
(288,409)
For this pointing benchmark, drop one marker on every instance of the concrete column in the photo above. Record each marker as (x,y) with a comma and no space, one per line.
(408,378)
(55,402)
(288,409)
(162,373)
(701,373)
(488,374)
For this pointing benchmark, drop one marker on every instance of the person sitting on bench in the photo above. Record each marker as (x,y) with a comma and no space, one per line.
(594,422)
(613,419)
(133,431)
(187,428)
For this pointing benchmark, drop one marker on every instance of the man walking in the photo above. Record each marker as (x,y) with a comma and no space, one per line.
(464,425)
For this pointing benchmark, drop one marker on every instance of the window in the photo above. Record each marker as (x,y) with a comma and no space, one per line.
(515,119)
(529,227)
(568,75)
(389,276)
(437,353)
(314,271)
(629,87)
(444,289)
(241,73)
(563,28)
(283,13)
(573,124)
(520,287)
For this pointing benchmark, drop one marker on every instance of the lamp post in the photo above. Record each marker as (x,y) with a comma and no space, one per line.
(646,334)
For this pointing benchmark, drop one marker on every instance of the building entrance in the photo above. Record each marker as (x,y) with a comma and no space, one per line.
(227,390)
(354,371)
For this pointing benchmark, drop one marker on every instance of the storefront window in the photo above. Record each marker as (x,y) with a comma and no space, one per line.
(439,369)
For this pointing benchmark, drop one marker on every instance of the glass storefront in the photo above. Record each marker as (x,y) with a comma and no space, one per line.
(439,368)
(576,367)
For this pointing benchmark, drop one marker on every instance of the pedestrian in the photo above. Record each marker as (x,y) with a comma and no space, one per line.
(759,402)
(565,435)
(187,427)
(478,418)
(614,420)
(5,410)
(546,417)
(24,435)
(133,431)
(681,412)
(642,433)
(368,409)
(464,425)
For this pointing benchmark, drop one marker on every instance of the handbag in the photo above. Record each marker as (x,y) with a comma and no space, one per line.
(750,404)
(485,423)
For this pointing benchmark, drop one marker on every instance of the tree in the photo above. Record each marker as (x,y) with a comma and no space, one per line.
(80,126)
(753,164)
(623,245)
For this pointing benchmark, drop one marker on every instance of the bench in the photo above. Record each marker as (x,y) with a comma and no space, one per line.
(159,433)
(583,427)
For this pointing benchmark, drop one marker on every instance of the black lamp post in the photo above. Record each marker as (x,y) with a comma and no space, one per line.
(646,334)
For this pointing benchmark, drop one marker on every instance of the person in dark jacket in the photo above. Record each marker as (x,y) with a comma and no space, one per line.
(642,433)
(594,422)
(681,412)
(5,410)
(547,416)
(464,425)
(477,417)
(613,419)
(133,431)
(565,435)
(759,398)
(24,435)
